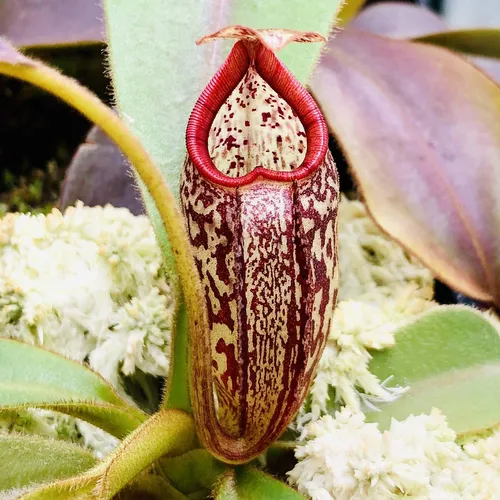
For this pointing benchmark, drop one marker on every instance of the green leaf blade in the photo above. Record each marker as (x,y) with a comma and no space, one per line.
(249,483)
(450,359)
(444,339)
(33,377)
(118,422)
(30,374)
(194,471)
(468,397)
(252,483)
(167,432)
(26,460)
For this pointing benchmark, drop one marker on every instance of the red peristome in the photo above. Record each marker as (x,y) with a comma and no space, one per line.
(283,82)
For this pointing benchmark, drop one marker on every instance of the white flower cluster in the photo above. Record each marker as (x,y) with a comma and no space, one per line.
(88,285)
(373,266)
(380,287)
(345,458)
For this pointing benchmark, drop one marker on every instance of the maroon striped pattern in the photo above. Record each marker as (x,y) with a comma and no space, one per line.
(265,246)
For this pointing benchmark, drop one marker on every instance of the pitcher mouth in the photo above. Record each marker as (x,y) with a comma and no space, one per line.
(243,55)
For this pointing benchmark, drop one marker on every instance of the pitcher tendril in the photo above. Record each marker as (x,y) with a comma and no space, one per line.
(259,193)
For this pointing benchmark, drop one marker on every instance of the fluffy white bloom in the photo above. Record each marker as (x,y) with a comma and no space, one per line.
(88,285)
(343,367)
(374,267)
(380,287)
(345,458)
(97,440)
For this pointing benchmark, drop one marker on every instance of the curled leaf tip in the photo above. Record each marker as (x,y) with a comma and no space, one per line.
(273,39)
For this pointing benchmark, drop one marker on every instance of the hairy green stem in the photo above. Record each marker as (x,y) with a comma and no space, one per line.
(167,432)
(177,388)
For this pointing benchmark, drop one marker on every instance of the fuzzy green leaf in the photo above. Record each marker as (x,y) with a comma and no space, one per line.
(253,483)
(30,374)
(152,488)
(468,397)
(113,419)
(250,483)
(167,432)
(225,488)
(26,460)
(33,377)
(450,359)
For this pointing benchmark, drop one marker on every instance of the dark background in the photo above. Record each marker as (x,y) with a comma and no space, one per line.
(437,5)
